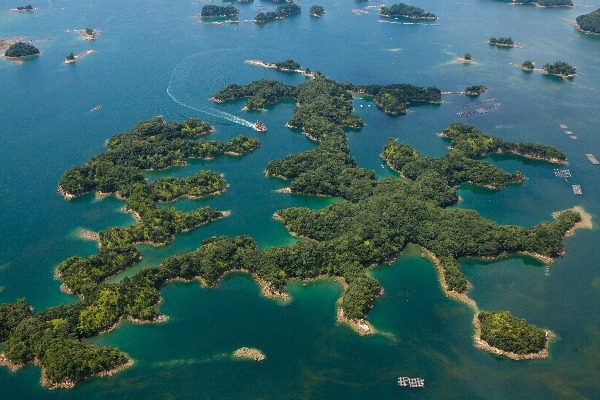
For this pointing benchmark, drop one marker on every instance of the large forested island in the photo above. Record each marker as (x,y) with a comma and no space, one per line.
(406,11)
(280,13)
(372,224)
(212,11)
(21,49)
(589,22)
(560,68)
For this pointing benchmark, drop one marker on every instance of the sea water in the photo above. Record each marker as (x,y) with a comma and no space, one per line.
(158,58)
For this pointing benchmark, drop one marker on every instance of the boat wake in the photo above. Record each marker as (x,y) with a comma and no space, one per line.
(181,85)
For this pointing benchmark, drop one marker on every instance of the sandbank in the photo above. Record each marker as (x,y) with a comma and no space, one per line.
(463,60)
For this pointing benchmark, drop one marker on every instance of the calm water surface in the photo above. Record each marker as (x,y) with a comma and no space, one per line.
(157,58)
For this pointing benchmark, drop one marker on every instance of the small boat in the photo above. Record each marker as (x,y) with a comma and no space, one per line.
(260,127)
(99,106)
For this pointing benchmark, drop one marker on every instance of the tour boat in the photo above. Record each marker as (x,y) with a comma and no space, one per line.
(260,127)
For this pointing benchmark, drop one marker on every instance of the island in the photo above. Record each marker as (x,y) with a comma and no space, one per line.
(249,353)
(212,11)
(475,90)
(589,23)
(280,13)
(502,333)
(316,11)
(502,41)
(560,68)
(20,50)
(406,11)
(527,65)
(28,7)
(467,58)
(343,240)
(88,33)
(71,58)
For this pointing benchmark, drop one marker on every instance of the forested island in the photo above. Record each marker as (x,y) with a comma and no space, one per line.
(21,49)
(212,11)
(280,13)
(324,100)
(316,11)
(560,68)
(28,7)
(372,224)
(475,90)
(527,65)
(502,333)
(406,11)
(502,41)
(589,23)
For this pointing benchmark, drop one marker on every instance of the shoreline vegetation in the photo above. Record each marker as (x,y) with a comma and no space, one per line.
(341,241)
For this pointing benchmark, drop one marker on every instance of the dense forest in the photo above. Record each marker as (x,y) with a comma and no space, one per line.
(323,101)
(404,10)
(589,22)
(372,224)
(279,13)
(502,41)
(21,49)
(506,332)
(560,68)
(218,11)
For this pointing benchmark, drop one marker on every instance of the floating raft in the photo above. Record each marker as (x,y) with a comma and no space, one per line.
(576,189)
(592,159)
(562,173)
(411,382)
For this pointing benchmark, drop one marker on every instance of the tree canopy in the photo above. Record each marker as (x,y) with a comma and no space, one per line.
(21,49)
(589,22)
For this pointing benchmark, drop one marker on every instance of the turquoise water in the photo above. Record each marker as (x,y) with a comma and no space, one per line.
(156,59)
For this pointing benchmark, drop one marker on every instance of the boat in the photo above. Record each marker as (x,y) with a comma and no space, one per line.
(99,106)
(260,127)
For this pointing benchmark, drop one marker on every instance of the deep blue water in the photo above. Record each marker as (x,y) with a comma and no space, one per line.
(157,58)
